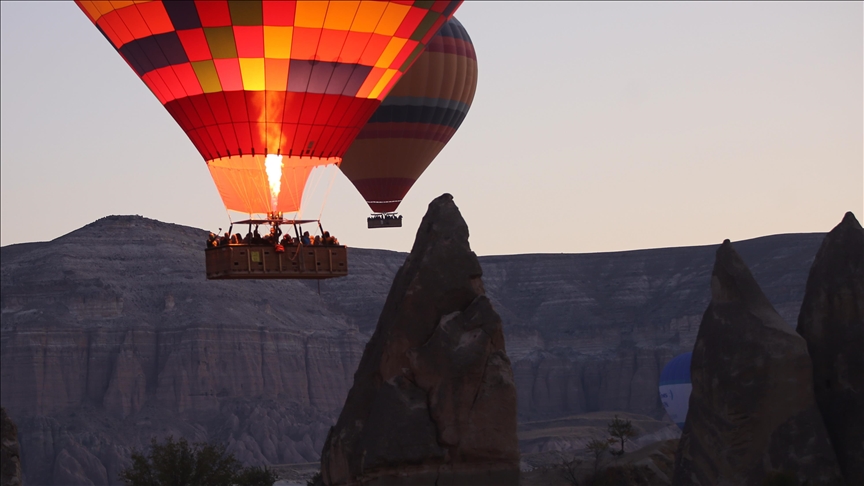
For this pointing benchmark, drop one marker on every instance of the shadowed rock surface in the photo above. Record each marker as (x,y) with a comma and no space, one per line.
(752,410)
(433,400)
(832,323)
(10,454)
(266,365)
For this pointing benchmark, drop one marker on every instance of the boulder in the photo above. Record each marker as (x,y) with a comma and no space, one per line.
(10,456)
(433,400)
(752,410)
(832,323)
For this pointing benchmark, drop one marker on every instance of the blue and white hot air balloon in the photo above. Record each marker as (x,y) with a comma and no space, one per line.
(675,388)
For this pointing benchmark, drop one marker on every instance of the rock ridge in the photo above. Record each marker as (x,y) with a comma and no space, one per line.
(584,332)
(752,411)
(832,322)
(434,395)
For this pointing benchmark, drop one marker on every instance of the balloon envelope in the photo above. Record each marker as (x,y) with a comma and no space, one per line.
(267,90)
(675,388)
(415,121)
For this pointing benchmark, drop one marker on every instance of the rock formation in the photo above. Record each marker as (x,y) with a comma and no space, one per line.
(752,410)
(121,307)
(10,455)
(832,323)
(433,400)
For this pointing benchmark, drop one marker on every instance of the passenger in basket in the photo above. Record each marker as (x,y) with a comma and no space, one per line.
(248,238)
(273,237)
(317,241)
(287,240)
(237,239)
(225,240)
(212,240)
(256,237)
(305,238)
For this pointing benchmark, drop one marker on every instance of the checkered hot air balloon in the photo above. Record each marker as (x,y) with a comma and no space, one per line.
(268,90)
(415,121)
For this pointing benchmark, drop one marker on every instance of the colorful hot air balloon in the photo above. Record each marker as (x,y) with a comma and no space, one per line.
(415,121)
(268,90)
(675,388)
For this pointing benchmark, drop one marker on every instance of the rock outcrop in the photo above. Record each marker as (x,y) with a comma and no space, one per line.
(832,323)
(433,400)
(752,410)
(10,452)
(265,365)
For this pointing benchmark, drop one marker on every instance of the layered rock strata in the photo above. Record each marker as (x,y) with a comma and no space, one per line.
(265,365)
(832,323)
(752,410)
(433,400)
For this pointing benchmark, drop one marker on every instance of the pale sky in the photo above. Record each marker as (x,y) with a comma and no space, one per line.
(595,127)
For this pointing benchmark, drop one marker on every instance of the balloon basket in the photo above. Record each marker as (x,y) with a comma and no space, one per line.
(264,262)
(384,221)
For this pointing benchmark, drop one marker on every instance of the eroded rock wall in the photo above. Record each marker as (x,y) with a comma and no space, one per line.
(433,399)
(93,318)
(752,409)
(832,323)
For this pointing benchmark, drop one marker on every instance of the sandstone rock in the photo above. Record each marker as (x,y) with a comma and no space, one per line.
(128,385)
(832,323)
(752,410)
(76,465)
(433,400)
(10,452)
(82,314)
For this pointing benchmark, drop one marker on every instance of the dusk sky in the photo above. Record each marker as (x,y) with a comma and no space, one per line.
(595,127)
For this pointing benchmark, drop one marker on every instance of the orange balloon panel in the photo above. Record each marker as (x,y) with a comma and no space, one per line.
(244,184)
(415,121)
(252,77)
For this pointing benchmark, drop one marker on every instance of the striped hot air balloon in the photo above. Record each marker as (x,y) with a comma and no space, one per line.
(415,121)
(267,90)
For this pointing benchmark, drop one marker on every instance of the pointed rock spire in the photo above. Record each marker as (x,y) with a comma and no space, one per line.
(752,413)
(832,323)
(433,400)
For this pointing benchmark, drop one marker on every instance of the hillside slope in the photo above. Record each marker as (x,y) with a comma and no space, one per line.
(111,334)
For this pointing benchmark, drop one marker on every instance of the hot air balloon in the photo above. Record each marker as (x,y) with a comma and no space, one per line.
(414,123)
(675,388)
(269,90)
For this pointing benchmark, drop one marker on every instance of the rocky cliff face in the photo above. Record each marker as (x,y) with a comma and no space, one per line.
(433,399)
(111,333)
(832,323)
(592,332)
(752,409)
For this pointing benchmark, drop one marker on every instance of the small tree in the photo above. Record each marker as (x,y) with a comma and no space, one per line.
(179,464)
(570,471)
(256,476)
(315,480)
(621,430)
(598,448)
